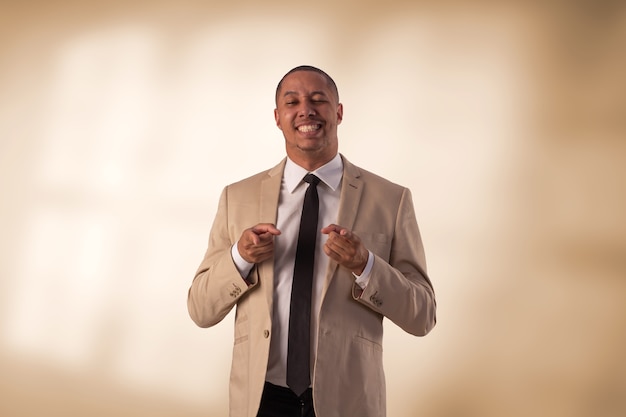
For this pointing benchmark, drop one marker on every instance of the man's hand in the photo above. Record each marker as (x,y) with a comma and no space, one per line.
(345,248)
(256,244)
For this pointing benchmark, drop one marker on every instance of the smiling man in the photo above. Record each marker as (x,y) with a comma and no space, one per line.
(308,112)
(313,254)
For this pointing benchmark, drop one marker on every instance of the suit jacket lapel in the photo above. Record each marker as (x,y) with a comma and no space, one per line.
(351,190)
(268,209)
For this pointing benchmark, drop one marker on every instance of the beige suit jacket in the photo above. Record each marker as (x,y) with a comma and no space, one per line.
(348,378)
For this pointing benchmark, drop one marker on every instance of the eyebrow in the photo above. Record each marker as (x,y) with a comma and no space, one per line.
(312,93)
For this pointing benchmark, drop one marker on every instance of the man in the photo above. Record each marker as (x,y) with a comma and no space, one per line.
(366,262)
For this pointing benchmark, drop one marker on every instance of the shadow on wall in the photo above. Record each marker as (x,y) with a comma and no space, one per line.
(548,339)
(30,389)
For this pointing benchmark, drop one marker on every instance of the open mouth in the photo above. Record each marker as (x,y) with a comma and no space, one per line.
(309,128)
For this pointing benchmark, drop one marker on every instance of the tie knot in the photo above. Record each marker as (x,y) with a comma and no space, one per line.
(311,179)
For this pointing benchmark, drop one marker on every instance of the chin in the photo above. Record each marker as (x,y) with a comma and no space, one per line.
(311,149)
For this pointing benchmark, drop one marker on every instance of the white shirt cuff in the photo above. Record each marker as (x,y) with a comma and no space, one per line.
(364,278)
(244,267)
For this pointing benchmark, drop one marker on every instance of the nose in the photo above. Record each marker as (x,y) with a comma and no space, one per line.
(306,110)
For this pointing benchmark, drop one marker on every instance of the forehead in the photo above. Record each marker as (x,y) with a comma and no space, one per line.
(304,82)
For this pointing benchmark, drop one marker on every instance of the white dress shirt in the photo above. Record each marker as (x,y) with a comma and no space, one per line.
(291,198)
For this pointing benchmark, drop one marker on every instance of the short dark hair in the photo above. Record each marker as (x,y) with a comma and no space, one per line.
(329,80)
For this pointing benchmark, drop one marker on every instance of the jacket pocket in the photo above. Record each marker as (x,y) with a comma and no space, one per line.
(368,343)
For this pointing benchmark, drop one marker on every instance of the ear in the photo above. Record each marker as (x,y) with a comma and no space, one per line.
(339,113)
(277,118)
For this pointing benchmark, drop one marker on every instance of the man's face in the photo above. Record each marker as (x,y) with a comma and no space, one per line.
(308,113)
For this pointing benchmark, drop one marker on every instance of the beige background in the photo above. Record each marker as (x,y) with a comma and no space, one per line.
(120,124)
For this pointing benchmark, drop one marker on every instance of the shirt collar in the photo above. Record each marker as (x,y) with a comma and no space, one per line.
(330,173)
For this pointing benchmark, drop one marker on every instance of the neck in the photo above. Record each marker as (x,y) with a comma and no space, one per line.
(311,164)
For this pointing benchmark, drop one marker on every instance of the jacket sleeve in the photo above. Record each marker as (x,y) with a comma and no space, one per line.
(399,287)
(218,285)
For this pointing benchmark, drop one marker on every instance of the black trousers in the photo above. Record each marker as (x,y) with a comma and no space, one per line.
(282,402)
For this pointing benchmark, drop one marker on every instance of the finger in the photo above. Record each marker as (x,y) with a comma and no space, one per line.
(335,242)
(341,231)
(254,238)
(341,240)
(265,238)
(262,252)
(265,228)
(331,253)
(338,255)
(339,244)
(331,228)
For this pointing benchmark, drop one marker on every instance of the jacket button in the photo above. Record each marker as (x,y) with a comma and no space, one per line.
(266,333)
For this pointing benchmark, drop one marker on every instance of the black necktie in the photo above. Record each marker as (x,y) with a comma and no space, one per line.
(298,352)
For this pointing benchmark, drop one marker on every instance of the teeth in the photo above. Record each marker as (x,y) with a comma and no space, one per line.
(308,128)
